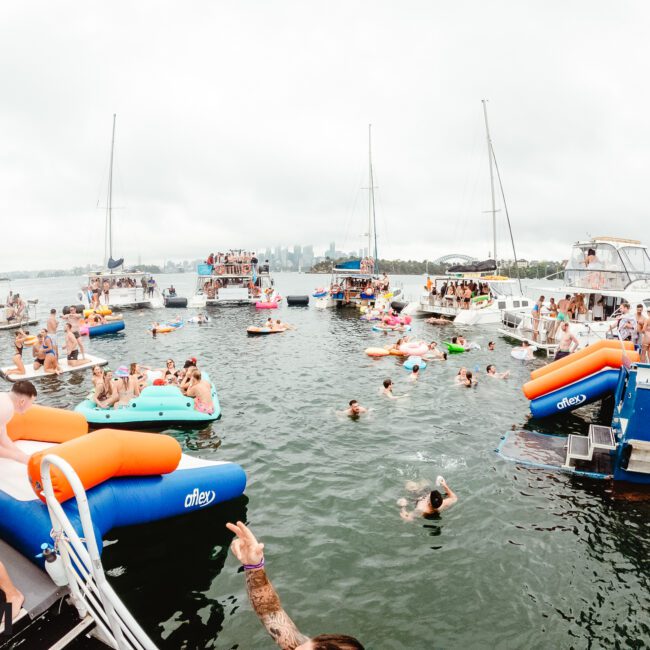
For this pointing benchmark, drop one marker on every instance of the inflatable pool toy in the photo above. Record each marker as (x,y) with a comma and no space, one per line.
(520,354)
(482,298)
(30,340)
(155,405)
(394,328)
(414,348)
(195,319)
(30,373)
(377,352)
(99,330)
(320,293)
(414,361)
(130,478)
(398,353)
(102,311)
(453,348)
(266,305)
(175,324)
(163,329)
(262,330)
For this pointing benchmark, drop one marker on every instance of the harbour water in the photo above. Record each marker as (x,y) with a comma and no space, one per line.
(527,558)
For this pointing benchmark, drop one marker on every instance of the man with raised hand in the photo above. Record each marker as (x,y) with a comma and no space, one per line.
(266,603)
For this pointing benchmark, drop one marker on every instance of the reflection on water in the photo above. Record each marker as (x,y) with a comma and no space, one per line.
(526,558)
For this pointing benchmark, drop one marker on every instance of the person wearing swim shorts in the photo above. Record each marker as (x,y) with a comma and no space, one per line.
(73,346)
(17,400)
(568,342)
(562,314)
(38,352)
(428,503)
(201,391)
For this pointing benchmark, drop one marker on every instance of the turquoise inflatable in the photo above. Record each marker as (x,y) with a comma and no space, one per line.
(398,328)
(155,405)
(414,361)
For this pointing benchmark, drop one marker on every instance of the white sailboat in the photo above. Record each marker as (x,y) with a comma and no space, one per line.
(115,286)
(15,311)
(492,293)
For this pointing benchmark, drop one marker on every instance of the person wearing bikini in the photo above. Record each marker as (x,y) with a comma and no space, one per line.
(201,391)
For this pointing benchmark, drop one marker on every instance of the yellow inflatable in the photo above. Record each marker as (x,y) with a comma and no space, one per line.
(102,311)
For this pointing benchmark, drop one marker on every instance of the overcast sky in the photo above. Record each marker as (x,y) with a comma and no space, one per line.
(242,124)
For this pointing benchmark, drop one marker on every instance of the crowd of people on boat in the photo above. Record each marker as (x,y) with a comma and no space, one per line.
(458,294)
(99,288)
(236,262)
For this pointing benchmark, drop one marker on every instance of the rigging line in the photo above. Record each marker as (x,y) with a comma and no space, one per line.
(505,208)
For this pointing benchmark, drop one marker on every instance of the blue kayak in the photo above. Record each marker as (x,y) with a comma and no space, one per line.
(155,404)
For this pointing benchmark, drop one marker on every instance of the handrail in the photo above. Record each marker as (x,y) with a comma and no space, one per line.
(91,592)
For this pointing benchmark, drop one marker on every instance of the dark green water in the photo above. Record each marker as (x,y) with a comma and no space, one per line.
(526,559)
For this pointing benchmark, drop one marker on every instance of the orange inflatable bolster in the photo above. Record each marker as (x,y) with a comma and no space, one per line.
(580,354)
(104,454)
(578,369)
(47,424)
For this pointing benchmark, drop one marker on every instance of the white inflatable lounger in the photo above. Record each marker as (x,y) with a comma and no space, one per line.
(30,373)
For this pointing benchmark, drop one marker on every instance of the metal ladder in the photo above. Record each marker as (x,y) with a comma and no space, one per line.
(582,447)
(91,594)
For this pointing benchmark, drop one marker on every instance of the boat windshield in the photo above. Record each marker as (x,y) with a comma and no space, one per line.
(637,261)
(597,265)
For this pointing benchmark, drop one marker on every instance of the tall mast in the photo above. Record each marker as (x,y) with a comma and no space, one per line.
(494,211)
(109,202)
(372,223)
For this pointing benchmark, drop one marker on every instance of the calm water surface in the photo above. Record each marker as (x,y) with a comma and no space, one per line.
(526,559)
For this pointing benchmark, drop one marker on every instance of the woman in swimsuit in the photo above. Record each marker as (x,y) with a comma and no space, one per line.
(127,387)
(51,364)
(19,341)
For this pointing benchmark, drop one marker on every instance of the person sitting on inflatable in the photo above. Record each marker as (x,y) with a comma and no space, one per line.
(427,504)
(17,400)
(201,391)
(434,354)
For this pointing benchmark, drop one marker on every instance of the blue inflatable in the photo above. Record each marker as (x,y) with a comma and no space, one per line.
(155,405)
(414,361)
(112,327)
(398,328)
(585,391)
(196,484)
(320,294)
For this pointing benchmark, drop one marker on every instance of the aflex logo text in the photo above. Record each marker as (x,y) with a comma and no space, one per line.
(571,401)
(198,498)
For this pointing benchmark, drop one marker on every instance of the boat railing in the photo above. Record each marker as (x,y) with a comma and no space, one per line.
(90,591)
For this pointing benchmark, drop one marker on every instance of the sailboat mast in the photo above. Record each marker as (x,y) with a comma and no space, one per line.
(372,222)
(494,212)
(109,202)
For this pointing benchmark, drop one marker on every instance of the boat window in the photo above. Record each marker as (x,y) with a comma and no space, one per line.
(502,304)
(636,259)
(604,270)
(524,303)
(515,303)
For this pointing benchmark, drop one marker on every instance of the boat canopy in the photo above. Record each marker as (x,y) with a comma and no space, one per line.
(350,265)
(477,267)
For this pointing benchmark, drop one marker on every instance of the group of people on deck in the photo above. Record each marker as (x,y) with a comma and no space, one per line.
(458,293)
(100,287)
(117,389)
(45,346)
(236,261)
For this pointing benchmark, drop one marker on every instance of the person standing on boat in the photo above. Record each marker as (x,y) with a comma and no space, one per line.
(17,400)
(266,603)
(626,324)
(562,314)
(536,314)
(640,325)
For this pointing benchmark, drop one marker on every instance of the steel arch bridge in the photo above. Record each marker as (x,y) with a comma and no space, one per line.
(455,257)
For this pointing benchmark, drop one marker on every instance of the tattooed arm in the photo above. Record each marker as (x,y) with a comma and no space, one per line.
(263,597)
(267,606)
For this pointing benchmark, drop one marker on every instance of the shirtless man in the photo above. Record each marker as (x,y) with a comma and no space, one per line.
(18,400)
(387,391)
(73,346)
(492,372)
(38,352)
(645,341)
(266,603)
(355,409)
(562,314)
(73,319)
(201,391)
(640,324)
(427,504)
(52,323)
(568,342)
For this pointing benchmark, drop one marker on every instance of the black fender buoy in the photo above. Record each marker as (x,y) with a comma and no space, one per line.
(175,301)
(398,305)
(297,300)
(79,308)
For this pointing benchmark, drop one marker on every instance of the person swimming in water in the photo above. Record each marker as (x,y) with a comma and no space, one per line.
(427,504)
(387,390)
(415,373)
(355,409)
(491,371)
